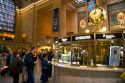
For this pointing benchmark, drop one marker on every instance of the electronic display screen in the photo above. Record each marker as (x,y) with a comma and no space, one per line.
(7,15)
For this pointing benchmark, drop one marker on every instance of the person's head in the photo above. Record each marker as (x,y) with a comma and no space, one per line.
(45,56)
(33,49)
(16,54)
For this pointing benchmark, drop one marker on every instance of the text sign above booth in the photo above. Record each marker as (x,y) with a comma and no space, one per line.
(109,36)
(83,37)
(66,39)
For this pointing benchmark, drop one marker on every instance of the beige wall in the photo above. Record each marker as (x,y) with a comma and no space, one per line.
(68,21)
(44,24)
(28,21)
(28,24)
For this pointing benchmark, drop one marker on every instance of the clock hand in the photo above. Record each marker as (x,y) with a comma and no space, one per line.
(95,11)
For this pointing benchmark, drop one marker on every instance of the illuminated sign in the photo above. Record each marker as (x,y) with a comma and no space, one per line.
(109,36)
(64,39)
(56,42)
(83,37)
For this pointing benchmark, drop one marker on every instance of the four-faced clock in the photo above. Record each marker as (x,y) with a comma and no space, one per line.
(97,15)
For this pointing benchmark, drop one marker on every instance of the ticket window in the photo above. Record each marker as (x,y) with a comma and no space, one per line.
(83,53)
(103,51)
(63,53)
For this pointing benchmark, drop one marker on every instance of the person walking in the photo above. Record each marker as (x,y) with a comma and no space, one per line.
(30,63)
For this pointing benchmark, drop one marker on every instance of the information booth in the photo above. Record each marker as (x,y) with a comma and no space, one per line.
(104,43)
(89,49)
(99,58)
(83,48)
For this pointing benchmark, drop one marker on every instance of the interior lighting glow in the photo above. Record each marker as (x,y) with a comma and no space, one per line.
(87,31)
(104,29)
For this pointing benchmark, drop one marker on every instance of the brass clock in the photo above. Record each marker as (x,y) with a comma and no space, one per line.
(97,15)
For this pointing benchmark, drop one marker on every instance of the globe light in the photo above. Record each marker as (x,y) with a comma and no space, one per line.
(104,29)
(87,31)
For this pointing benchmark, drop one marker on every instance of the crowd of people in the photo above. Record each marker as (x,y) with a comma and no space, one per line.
(24,61)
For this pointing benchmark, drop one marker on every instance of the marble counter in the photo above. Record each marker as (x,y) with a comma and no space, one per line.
(83,74)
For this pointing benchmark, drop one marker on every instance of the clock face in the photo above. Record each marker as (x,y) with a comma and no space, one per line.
(95,13)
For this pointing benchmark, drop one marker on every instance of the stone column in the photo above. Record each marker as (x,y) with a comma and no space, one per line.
(63,19)
(18,27)
(34,25)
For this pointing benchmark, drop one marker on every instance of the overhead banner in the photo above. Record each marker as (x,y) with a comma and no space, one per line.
(56,20)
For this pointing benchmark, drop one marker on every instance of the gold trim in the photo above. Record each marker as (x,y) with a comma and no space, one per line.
(31,6)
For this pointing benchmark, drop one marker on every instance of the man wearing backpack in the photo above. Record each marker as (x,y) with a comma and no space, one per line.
(29,63)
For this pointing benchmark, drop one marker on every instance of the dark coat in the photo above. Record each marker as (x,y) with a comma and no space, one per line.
(45,70)
(16,66)
(29,61)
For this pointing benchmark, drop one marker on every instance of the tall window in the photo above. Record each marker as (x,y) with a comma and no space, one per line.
(79,1)
(7,15)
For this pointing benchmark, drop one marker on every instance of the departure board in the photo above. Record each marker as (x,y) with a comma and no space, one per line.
(7,15)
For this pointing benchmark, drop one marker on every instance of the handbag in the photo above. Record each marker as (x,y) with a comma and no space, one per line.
(122,76)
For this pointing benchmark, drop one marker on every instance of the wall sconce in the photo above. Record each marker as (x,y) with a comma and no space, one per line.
(24,37)
(87,30)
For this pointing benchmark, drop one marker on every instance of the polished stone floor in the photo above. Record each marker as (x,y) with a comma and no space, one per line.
(8,79)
